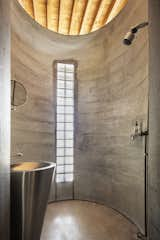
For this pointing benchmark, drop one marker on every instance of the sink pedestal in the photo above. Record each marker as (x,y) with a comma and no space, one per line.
(30,185)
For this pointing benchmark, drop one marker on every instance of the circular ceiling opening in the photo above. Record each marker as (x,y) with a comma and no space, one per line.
(73,17)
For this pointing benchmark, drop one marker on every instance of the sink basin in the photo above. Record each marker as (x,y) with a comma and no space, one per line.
(30,186)
(31,166)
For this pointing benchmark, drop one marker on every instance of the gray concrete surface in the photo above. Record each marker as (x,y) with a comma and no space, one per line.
(154,121)
(4,118)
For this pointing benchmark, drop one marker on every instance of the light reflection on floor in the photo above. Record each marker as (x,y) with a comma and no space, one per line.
(80,220)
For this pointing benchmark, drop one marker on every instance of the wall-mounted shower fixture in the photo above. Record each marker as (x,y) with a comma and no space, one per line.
(130,36)
(19,154)
(138,130)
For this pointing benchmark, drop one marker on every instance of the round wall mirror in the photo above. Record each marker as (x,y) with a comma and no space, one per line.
(18,93)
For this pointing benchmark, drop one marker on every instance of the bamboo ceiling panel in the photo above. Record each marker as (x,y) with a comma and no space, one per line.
(73,17)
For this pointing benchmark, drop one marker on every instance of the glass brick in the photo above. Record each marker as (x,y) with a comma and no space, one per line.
(60,109)
(60,101)
(60,160)
(69,126)
(69,118)
(69,143)
(60,126)
(60,169)
(69,109)
(60,135)
(60,75)
(69,85)
(60,178)
(69,93)
(60,143)
(68,168)
(69,160)
(68,177)
(69,151)
(70,76)
(61,67)
(60,118)
(60,92)
(68,135)
(69,102)
(60,152)
(60,84)
(69,67)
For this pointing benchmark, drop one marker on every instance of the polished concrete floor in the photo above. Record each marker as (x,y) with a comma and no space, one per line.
(81,220)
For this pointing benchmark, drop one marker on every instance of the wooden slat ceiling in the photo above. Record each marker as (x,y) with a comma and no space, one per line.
(73,17)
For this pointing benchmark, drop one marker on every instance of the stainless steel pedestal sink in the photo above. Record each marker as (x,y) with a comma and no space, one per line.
(30,185)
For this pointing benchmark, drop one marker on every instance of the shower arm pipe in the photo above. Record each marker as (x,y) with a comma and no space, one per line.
(139,26)
(140,236)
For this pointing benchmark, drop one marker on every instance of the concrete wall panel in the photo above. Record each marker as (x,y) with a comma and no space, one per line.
(4,118)
(154,121)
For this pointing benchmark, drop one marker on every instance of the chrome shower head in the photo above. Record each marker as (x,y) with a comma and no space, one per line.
(130,36)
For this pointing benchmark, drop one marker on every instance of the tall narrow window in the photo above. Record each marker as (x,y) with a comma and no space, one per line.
(65,74)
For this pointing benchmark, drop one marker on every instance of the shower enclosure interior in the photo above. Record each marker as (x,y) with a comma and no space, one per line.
(100,104)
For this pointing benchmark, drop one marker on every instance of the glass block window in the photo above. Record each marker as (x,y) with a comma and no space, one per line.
(65,75)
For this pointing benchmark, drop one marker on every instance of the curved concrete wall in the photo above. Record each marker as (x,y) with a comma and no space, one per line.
(112,94)
(154,126)
(5,119)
